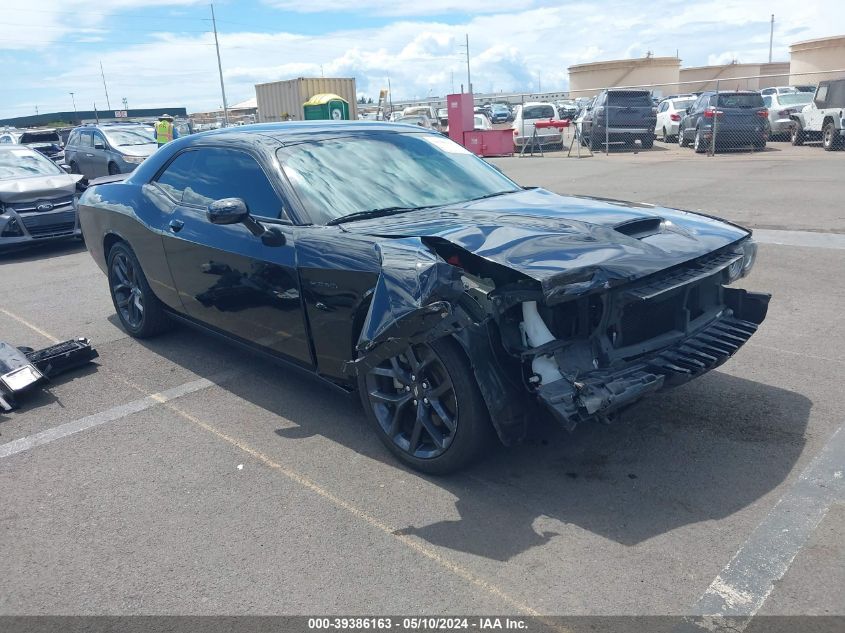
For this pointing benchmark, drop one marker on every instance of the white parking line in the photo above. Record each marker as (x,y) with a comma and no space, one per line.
(32,327)
(810,239)
(747,580)
(110,415)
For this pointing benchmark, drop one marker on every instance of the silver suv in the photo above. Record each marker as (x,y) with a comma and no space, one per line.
(108,149)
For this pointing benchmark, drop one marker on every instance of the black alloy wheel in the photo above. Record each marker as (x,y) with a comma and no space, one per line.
(139,310)
(426,407)
(126,291)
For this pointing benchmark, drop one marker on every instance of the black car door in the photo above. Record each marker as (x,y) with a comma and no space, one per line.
(227,277)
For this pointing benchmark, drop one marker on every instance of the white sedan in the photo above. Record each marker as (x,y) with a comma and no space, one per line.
(669,115)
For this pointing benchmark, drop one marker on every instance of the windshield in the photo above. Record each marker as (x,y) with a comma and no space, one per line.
(739,100)
(682,104)
(795,99)
(496,107)
(538,112)
(23,163)
(126,137)
(337,177)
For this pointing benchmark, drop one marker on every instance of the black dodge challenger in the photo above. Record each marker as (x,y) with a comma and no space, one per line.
(387,259)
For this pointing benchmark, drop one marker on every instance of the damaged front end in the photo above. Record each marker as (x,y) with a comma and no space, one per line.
(591,356)
(583,348)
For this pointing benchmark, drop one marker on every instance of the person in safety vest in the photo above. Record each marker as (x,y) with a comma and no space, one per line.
(164,130)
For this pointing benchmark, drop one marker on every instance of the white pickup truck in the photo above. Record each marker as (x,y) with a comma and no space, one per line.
(824,118)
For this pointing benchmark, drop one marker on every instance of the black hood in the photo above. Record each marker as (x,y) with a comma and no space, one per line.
(562,240)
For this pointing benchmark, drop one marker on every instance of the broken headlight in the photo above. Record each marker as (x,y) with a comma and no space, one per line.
(742,266)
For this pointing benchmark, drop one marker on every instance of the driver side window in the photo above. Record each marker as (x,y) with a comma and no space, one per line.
(201,176)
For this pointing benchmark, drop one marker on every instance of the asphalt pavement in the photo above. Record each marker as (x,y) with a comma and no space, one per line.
(181,475)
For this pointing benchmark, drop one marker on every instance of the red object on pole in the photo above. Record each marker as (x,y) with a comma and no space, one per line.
(543,125)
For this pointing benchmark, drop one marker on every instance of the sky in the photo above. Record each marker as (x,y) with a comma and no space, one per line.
(158,53)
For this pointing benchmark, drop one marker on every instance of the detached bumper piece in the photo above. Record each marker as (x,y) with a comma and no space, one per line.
(22,368)
(600,393)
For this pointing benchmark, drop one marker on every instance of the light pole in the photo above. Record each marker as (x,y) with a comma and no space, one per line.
(72,98)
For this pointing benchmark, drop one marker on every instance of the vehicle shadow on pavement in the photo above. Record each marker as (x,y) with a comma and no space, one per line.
(700,452)
(42,251)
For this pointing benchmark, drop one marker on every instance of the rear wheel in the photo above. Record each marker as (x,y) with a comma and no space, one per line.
(140,312)
(666,138)
(425,406)
(594,141)
(647,142)
(682,140)
(699,145)
(796,133)
(830,137)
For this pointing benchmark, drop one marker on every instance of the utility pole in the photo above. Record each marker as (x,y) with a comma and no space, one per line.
(36,110)
(72,98)
(220,70)
(469,80)
(108,105)
(452,74)
(771,37)
(125,104)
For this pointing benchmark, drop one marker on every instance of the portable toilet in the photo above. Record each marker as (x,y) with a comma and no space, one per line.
(326,106)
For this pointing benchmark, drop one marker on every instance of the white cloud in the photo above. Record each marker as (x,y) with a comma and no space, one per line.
(511,51)
(398,8)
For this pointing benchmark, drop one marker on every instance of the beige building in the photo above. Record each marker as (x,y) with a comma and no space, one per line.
(734,76)
(586,80)
(812,56)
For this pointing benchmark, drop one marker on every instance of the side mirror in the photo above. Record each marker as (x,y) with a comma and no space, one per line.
(227,211)
(235,211)
(99,145)
(688,110)
(66,168)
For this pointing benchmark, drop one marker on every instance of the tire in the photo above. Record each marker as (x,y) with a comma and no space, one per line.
(418,435)
(594,142)
(698,142)
(666,138)
(830,137)
(647,143)
(114,170)
(74,168)
(796,134)
(760,147)
(682,140)
(140,312)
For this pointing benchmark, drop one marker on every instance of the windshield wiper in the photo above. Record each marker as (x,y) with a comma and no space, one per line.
(491,195)
(375,213)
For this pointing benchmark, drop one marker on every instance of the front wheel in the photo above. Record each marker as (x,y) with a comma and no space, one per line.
(796,133)
(114,170)
(140,312)
(425,406)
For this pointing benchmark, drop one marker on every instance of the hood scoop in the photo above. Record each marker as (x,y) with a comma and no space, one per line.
(639,227)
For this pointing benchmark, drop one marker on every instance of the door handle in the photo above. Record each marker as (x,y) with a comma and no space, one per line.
(90,155)
(176,225)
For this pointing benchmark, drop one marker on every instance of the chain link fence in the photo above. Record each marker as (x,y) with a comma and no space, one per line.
(714,115)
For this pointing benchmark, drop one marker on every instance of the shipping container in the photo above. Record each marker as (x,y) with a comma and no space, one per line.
(282,100)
